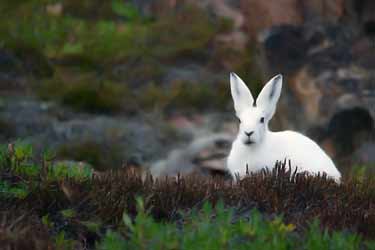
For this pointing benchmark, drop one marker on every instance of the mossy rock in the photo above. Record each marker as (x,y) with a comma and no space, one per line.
(185,32)
(86,92)
(99,155)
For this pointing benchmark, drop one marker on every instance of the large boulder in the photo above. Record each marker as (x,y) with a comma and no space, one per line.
(329,82)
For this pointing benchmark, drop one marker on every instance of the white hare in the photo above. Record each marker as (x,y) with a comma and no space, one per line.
(256,147)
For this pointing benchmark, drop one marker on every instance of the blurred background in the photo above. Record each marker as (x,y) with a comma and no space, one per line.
(146,82)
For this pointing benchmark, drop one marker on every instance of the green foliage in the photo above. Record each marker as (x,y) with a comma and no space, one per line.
(92,226)
(22,152)
(359,173)
(229,233)
(103,41)
(18,190)
(112,241)
(315,239)
(47,221)
(185,96)
(97,43)
(78,172)
(63,243)
(21,160)
(184,32)
(86,93)
(68,213)
(127,10)
(105,97)
(92,152)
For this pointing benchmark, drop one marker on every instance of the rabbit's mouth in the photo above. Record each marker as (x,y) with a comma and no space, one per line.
(248,142)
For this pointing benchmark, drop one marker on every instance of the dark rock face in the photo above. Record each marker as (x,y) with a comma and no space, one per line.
(10,71)
(330,77)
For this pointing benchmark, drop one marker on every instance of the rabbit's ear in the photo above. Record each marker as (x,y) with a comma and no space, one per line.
(269,96)
(241,94)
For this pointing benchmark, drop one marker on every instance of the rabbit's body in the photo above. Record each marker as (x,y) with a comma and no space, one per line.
(256,147)
(303,153)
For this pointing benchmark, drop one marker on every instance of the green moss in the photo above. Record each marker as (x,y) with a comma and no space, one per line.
(97,41)
(17,190)
(98,155)
(185,32)
(62,170)
(185,96)
(86,93)
(199,96)
(106,97)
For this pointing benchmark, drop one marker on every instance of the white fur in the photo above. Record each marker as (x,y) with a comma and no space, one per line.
(263,148)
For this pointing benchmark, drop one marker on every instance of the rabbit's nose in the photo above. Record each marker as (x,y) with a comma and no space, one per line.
(249,133)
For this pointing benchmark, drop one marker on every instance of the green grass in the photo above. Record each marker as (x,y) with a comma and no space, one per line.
(220,229)
(103,40)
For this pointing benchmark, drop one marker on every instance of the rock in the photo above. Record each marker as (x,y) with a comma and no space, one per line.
(193,73)
(202,154)
(18,64)
(327,75)
(55,9)
(365,154)
(328,10)
(109,140)
(319,75)
(230,10)
(11,72)
(261,15)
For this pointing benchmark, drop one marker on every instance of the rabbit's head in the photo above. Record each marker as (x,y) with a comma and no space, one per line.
(254,115)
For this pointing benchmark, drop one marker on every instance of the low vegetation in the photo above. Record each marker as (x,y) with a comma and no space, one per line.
(112,58)
(75,207)
(90,94)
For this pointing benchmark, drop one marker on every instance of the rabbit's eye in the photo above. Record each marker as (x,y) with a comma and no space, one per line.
(262,120)
(239,120)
